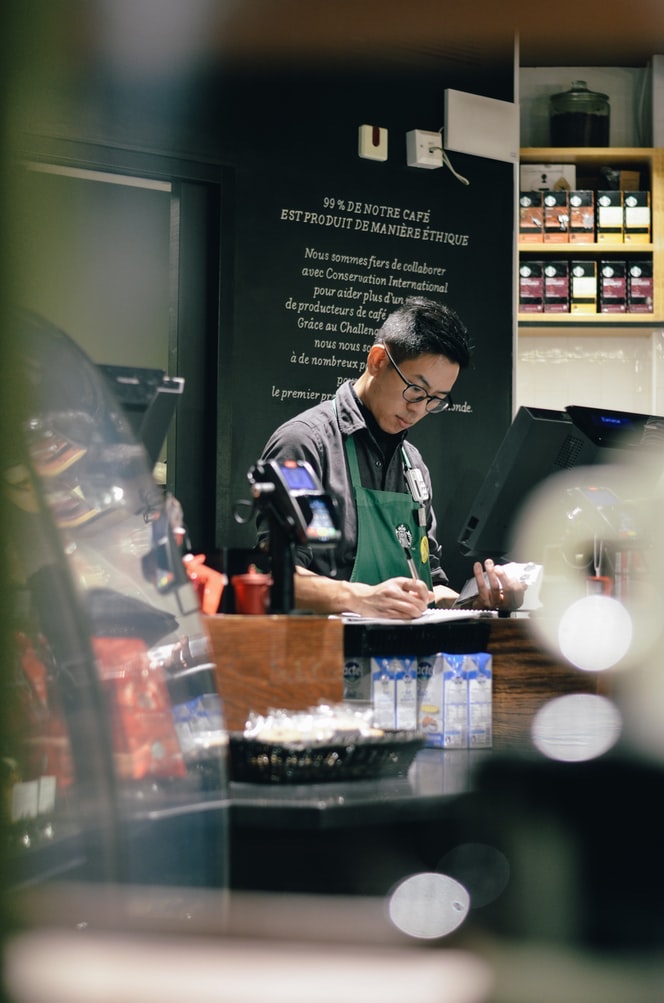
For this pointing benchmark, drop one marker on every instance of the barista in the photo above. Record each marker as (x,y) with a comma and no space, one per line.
(387,563)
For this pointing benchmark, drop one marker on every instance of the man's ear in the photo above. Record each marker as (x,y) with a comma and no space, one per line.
(377,359)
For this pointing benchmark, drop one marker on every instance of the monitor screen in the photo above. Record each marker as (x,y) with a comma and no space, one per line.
(617,429)
(541,442)
(297,477)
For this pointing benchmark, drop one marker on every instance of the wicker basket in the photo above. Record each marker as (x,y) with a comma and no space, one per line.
(358,758)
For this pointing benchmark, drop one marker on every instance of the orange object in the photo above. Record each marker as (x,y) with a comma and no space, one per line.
(252,592)
(208,584)
(43,728)
(145,742)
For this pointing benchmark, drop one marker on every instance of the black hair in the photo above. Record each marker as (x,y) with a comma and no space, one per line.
(423,327)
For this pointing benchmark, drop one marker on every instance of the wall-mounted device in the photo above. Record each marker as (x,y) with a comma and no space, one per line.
(372,142)
(484,127)
(424,149)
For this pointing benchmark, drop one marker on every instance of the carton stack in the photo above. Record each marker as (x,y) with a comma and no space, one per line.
(455,701)
(552,211)
(448,697)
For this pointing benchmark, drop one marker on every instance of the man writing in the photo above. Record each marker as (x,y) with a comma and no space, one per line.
(387,563)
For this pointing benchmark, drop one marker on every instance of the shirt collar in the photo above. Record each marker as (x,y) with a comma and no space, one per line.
(353,416)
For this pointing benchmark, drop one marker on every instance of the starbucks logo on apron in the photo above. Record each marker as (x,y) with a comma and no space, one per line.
(404,536)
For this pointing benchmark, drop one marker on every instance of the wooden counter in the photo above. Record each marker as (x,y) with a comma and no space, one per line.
(525,677)
(295,661)
(275,661)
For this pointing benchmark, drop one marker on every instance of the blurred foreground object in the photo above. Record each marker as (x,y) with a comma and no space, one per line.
(115,762)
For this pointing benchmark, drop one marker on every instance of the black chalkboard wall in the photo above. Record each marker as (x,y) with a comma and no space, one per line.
(292,248)
(326,246)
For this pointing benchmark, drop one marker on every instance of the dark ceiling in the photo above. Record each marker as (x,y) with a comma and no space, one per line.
(565,33)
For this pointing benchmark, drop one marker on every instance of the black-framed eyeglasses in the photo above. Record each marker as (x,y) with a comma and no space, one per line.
(414,394)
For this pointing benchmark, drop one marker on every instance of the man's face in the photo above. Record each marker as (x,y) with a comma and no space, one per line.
(435,374)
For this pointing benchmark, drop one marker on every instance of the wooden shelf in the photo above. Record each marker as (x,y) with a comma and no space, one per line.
(638,324)
(652,161)
(587,155)
(585,249)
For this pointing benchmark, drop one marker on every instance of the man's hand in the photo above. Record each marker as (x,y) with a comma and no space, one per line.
(396,598)
(495,588)
(400,598)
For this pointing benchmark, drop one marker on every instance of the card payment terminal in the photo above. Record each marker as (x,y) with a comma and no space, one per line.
(298,512)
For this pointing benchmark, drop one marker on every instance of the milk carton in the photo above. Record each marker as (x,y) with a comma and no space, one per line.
(430,698)
(406,693)
(455,702)
(357,679)
(479,674)
(383,691)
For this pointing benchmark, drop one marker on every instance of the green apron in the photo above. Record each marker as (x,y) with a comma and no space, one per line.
(387,525)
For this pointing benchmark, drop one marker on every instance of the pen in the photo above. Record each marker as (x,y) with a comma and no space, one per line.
(405,539)
(411,565)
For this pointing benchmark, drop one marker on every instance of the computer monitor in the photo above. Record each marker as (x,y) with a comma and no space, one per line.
(539,443)
(618,430)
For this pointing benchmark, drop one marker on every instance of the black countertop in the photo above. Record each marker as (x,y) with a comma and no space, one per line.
(435,779)
(456,636)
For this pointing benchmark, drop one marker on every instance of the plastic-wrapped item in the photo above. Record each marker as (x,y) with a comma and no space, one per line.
(320,744)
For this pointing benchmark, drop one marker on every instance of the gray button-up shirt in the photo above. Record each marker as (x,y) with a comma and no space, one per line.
(317,435)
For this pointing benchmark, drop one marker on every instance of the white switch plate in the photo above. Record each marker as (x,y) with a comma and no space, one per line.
(372,142)
(424,149)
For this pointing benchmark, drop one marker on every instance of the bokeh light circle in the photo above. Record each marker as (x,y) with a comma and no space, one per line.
(595,633)
(428,905)
(576,727)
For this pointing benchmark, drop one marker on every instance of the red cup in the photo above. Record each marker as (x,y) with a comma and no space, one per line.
(252,592)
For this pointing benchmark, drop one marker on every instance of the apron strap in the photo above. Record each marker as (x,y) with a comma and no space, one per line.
(351,454)
(353,465)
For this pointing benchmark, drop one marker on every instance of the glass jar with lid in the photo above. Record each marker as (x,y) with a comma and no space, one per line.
(579,117)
